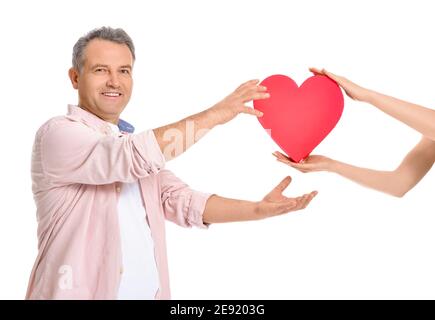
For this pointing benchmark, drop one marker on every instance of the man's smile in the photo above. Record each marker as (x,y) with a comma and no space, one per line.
(111,94)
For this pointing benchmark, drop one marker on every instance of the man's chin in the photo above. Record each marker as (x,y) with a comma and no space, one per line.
(111,109)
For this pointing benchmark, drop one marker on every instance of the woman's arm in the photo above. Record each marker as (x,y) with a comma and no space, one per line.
(397,183)
(415,116)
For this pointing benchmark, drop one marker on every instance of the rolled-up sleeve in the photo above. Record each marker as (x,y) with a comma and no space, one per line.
(181,204)
(74,153)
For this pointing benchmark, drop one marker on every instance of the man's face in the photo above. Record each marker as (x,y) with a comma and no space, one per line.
(105,81)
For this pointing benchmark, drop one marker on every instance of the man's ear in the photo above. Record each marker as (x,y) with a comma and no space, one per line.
(74,77)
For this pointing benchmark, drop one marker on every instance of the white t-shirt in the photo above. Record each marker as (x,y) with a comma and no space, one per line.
(140,278)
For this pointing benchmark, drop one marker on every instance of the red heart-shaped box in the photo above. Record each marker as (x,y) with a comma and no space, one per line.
(299,118)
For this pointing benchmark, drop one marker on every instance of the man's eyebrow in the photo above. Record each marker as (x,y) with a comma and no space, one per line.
(127,66)
(98,65)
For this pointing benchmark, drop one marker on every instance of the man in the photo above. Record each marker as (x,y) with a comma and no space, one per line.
(102,193)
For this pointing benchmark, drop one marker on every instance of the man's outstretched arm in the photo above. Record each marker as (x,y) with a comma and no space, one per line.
(219,209)
(177,137)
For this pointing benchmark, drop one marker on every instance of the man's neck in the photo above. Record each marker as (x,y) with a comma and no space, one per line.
(107,119)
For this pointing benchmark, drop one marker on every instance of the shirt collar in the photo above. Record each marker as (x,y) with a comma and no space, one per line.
(93,121)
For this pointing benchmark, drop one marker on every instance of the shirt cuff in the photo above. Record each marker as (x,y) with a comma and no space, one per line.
(196,209)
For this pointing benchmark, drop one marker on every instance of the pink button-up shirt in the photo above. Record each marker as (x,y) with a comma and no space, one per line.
(78,167)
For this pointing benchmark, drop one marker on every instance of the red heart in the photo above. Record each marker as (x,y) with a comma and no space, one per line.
(300,118)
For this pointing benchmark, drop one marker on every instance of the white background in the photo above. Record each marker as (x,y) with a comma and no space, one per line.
(350,243)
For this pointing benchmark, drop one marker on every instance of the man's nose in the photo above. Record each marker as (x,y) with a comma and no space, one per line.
(113,80)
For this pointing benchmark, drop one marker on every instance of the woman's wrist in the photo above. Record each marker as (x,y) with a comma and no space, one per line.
(369,96)
(333,166)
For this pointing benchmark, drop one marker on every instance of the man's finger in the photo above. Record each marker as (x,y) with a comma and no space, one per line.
(286,206)
(311,196)
(307,200)
(254,95)
(252,111)
(290,206)
(250,82)
(283,184)
(300,203)
(293,204)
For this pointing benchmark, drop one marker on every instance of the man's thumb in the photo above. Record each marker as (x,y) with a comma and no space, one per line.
(283,184)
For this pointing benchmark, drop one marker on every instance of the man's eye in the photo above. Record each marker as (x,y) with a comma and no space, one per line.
(100,70)
(125,71)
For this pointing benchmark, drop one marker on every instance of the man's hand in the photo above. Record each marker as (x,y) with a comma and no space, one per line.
(275,203)
(234,104)
(219,209)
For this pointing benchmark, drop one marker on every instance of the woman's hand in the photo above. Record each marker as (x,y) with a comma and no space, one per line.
(352,90)
(309,164)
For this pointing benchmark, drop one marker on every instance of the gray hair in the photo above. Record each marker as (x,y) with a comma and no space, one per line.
(105,33)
